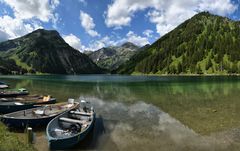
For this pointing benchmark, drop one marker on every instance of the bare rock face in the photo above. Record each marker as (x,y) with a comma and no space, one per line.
(112,57)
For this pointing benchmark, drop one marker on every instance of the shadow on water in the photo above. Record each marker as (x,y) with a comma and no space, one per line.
(95,137)
(91,140)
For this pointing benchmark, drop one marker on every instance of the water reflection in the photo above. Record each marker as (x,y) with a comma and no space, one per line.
(152,115)
(206,105)
(143,126)
(122,91)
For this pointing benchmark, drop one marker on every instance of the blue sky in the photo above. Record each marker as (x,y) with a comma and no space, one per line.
(92,24)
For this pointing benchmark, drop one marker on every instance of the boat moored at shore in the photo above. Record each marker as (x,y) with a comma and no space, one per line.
(69,128)
(13,105)
(13,93)
(36,117)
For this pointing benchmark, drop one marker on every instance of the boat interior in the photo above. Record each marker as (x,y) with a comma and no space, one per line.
(40,112)
(71,123)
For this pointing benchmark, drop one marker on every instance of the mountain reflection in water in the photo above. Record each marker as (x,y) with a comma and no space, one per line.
(142,126)
(149,113)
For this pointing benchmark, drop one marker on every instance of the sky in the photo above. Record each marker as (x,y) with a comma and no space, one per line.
(93,24)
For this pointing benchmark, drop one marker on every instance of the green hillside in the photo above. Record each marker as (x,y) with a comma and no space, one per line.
(8,66)
(44,51)
(204,44)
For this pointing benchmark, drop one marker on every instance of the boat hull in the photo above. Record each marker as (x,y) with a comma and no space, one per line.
(4,108)
(70,142)
(22,123)
(60,144)
(13,108)
(25,119)
(13,94)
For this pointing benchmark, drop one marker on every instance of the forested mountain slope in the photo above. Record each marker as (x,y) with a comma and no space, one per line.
(45,51)
(204,44)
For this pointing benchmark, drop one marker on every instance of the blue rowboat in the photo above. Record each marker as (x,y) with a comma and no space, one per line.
(13,93)
(36,117)
(13,105)
(69,128)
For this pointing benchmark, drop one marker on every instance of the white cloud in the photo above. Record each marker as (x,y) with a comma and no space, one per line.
(136,39)
(96,45)
(3,36)
(55,3)
(129,37)
(166,14)
(55,20)
(107,41)
(120,12)
(88,24)
(13,27)
(168,20)
(28,9)
(27,16)
(148,33)
(220,7)
(74,42)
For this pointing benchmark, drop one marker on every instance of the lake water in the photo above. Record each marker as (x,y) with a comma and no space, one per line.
(148,112)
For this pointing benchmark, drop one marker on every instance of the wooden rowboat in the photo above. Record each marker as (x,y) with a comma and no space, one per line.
(69,128)
(8,105)
(13,93)
(24,98)
(36,117)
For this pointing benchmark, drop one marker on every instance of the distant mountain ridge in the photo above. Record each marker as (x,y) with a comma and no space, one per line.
(112,57)
(204,44)
(45,51)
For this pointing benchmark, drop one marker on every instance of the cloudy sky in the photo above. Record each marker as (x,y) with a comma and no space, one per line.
(93,24)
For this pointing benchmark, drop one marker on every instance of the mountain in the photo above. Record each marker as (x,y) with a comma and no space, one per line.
(204,44)
(129,66)
(8,66)
(45,51)
(111,57)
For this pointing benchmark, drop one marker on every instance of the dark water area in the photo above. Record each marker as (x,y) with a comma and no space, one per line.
(148,112)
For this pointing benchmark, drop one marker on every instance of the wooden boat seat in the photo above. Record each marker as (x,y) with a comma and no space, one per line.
(73,121)
(80,113)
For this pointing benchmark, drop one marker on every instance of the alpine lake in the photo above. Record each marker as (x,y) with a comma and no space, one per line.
(162,113)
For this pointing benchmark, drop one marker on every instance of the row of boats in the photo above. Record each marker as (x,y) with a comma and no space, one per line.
(66,123)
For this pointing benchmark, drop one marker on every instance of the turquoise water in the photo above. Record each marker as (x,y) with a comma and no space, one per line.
(149,112)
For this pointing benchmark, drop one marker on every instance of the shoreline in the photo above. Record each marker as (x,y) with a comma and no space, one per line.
(186,75)
(133,74)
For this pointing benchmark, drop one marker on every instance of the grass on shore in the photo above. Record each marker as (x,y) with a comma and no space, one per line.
(10,142)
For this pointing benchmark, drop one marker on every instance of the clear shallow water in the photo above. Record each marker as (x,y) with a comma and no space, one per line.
(149,113)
